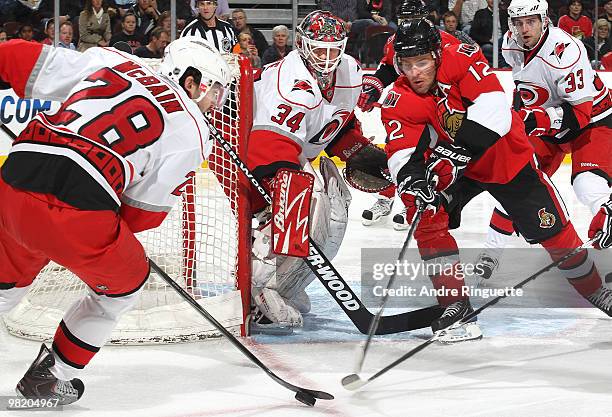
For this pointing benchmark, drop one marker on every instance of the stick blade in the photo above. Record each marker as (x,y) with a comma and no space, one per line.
(305,398)
(352,382)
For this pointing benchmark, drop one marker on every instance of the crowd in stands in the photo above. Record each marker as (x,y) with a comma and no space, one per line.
(145,24)
(472,21)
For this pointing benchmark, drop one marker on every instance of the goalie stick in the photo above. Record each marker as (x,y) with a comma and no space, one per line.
(331,279)
(353,382)
(304,395)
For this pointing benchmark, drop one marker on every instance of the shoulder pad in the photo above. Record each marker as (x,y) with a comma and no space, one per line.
(561,50)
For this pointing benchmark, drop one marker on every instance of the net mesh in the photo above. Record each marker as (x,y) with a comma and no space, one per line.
(198,245)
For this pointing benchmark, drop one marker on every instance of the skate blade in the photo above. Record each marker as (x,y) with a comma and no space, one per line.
(400,227)
(465,333)
(273,330)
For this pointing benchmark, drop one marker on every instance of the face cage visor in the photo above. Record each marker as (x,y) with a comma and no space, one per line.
(327,65)
(218,93)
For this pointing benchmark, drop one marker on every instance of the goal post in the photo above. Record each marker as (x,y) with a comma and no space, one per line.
(204,244)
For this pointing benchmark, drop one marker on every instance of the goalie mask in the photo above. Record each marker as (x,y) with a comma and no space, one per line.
(321,39)
(194,56)
(524,8)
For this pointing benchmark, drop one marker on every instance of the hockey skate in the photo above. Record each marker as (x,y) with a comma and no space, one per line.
(461,333)
(380,209)
(602,299)
(39,383)
(399,221)
(486,264)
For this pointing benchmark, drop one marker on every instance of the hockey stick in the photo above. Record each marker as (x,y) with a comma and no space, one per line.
(374,323)
(323,269)
(304,395)
(353,382)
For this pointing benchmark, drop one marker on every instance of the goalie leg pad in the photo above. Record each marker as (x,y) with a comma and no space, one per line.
(290,210)
(329,219)
(275,308)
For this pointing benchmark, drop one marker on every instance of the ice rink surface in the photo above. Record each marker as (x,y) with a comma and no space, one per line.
(531,362)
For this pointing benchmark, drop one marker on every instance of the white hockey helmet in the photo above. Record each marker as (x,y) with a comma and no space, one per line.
(196,53)
(321,30)
(522,8)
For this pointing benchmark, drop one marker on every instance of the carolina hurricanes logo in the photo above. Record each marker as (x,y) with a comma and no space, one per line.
(559,49)
(339,119)
(302,85)
(547,220)
(532,94)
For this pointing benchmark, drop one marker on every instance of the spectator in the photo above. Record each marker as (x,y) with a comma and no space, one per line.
(381,12)
(49,32)
(3,35)
(608,11)
(128,32)
(218,32)
(279,47)
(183,14)
(482,29)
(65,36)
(146,16)
(26,32)
(575,23)
(450,26)
(246,46)
(600,42)
(239,20)
(158,40)
(466,9)
(94,25)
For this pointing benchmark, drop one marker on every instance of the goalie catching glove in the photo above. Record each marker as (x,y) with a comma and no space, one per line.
(366,164)
(371,90)
(446,164)
(602,223)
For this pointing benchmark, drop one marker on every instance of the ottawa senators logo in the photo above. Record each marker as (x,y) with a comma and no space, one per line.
(558,50)
(450,119)
(391,99)
(302,85)
(547,220)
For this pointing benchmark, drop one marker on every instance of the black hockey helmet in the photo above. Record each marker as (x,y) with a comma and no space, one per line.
(411,9)
(417,37)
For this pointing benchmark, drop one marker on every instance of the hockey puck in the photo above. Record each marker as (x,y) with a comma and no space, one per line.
(305,398)
(608,278)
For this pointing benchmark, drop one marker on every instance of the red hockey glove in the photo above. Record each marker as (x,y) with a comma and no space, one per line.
(446,163)
(538,121)
(371,91)
(602,222)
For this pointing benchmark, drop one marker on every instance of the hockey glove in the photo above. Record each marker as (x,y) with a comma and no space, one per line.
(417,191)
(371,91)
(539,121)
(447,162)
(602,222)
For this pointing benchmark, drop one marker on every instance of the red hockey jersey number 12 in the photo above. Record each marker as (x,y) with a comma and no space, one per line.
(290,210)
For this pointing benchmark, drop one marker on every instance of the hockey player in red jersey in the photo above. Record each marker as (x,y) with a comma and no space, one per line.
(566,109)
(303,105)
(452,135)
(79,182)
(372,88)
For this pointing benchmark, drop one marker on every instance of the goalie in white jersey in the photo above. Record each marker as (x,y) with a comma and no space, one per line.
(78,183)
(303,105)
(566,109)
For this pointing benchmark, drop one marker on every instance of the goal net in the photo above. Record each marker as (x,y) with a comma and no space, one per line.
(204,245)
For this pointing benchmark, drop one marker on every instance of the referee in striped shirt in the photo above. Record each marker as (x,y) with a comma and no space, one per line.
(218,32)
